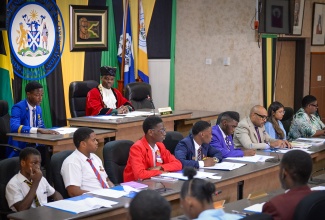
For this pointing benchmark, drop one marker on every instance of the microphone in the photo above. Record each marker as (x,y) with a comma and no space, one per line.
(161,190)
(316,181)
(152,105)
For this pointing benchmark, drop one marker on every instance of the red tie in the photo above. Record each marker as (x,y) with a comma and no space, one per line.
(97,174)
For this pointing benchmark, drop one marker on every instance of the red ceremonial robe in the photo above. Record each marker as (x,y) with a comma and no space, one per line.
(96,106)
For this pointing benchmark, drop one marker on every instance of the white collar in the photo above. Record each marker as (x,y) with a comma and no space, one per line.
(82,156)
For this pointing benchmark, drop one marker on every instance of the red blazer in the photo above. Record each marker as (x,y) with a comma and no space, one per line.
(140,159)
(283,206)
(96,106)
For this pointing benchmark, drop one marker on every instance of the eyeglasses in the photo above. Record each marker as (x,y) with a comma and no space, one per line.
(314,105)
(263,117)
(162,130)
(282,112)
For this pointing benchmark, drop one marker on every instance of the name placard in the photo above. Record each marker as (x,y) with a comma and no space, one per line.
(165,111)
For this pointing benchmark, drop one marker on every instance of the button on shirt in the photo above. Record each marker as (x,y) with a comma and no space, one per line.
(77,171)
(33,130)
(197,146)
(17,189)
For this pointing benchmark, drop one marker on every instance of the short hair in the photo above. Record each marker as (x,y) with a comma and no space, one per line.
(107,71)
(198,188)
(149,204)
(228,115)
(24,153)
(307,100)
(298,164)
(31,86)
(150,123)
(200,126)
(81,134)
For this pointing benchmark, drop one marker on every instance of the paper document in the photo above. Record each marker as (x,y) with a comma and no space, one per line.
(255,208)
(255,158)
(312,141)
(109,117)
(297,144)
(64,130)
(81,205)
(137,113)
(199,174)
(318,188)
(225,166)
(285,150)
(109,193)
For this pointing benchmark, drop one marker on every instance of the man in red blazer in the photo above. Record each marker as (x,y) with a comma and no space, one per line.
(148,156)
(295,170)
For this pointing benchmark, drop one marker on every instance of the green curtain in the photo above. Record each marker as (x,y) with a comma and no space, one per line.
(109,57)
(5,88)
(172,58)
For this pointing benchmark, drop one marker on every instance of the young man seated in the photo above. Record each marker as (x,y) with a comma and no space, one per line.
(29,188)
(148,156)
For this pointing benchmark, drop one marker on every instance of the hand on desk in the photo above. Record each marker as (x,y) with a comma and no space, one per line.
(155,168)
(122,110)
(46,131)
(281,144)
(249,152)
(209,161)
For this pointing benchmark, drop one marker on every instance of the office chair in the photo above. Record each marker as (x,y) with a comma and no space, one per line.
(116,154)
(311,206)
(8,168)
(258,216)
(137,93)
(171,140)
(78,91)
(56,164)
(287,118)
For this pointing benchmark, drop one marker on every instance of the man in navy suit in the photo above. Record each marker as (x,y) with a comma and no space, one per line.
(295,170)
(26,116)
(195,150)
(222,136)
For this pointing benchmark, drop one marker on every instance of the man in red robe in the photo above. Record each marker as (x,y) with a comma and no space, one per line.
(105,100)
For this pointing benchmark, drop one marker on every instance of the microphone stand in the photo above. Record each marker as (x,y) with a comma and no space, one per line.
(316,181)
(152,105)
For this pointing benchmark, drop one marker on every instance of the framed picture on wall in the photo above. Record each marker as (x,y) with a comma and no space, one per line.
(88,28)
(298,16)
(318,28)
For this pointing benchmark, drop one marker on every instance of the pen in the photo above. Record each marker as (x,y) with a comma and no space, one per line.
(218,192)
(240,213)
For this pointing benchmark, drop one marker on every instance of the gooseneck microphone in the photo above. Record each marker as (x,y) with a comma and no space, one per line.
(152,105)
(316,181)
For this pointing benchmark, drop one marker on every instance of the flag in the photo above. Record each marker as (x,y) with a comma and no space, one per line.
(129,61)
(143,71)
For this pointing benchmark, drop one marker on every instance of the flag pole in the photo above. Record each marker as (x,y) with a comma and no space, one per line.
(121,81)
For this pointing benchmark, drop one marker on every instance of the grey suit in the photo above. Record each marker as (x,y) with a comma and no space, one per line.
(245,135)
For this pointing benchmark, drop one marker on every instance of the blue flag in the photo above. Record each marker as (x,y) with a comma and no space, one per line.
(129,61)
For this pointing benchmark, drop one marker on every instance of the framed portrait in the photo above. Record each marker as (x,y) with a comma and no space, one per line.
(298,9)
(88,28)
(318,28)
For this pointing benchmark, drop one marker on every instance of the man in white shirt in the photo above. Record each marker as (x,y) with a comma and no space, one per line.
(29,188)
(105,100)
(83,171)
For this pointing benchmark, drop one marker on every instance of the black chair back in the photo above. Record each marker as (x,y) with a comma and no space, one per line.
(137,93)
(116,154)
(311,206)
(8,168)
(56,164)
(4,127)
(287,118)
(78,96)
(258,216)
(171,140)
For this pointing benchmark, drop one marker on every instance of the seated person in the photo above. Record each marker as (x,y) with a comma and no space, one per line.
(148,156)
(149,205)
(250,132)
(28,188)
(274,126)
(196,199)
(83,170)
(295,170)
(105,100)
(306,123)
(222,136)
(195,150)
(26,117)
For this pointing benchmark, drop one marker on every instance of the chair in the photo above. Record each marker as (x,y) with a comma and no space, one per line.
(137,93)
(287,119)
(116,154)
(78,96)
(56,164)
(171,140)
(311,206)
(258,216)
(8,168)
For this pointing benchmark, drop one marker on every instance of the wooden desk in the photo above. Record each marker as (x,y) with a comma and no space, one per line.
(127,128)
(185,125)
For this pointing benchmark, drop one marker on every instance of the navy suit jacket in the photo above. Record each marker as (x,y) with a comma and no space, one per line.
(219,143)
(20,123)
(185,151)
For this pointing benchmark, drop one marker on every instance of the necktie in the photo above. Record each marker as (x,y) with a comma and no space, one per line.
(97,174)
(258,135)
(36,199)
(34,117)
(199,154)
(227,142)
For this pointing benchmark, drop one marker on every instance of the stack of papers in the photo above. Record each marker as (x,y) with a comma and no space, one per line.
(137,113)
(285,150)
(108,117)
(297,144)
(109,193)
(312,141)
(64,130)
(135,185)
(226,166)
(255,158)
(255,208)
(83,205)
(199,174)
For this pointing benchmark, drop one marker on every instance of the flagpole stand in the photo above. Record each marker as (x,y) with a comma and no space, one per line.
(120,85)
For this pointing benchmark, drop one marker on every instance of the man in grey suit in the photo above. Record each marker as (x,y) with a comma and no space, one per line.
(250,132)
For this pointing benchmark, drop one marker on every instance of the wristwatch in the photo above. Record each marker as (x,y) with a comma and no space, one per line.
(216,160)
